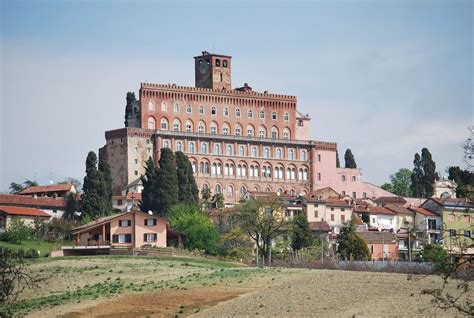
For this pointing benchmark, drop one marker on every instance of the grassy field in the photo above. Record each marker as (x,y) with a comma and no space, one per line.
(43,246)
(168,287)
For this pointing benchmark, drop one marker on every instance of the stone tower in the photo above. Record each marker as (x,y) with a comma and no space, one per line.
(213,71)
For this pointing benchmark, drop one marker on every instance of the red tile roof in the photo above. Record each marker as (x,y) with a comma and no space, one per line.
(24,200)
(320,226)
(399,209)
(373,210)
(423,211)
(50,188)
(394,199)
(375,237)
(336,202)
(15,210)
(128,197)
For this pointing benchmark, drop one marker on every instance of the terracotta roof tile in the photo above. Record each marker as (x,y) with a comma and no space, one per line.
(423,211)
(50,188)
(15,210)
(375,237)
(319,226)
(373,210)
(399,209)
(24,200)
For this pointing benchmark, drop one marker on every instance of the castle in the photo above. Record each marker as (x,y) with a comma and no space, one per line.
(237,140)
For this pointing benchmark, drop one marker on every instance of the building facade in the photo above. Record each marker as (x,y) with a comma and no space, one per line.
(237,140)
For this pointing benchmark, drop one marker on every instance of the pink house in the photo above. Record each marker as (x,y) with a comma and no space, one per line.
(131,229)
(382,245)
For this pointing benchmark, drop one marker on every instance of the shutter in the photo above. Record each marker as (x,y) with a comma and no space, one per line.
(154,221)
(114,238)
(144,222)
(155,236)
(128,238)
(144,237)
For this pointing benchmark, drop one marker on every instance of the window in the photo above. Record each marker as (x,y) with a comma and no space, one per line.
(343,178)
(343,193)
(432,224)
(201,110)
(191,147)
(226,111)
(254,152)
(218,62)
(261,114)
(201,128)
(319,158)
(224,63)
(136,172)
(452,232)
(225,130)
(286,134)
(136,160)
(230,191)
(303,155)
(249,131)
(319,176)
(151,123)
(467,233)
(343,209)
(218,188)
(354,195)
(286,117)
(176,108)
(166,144)
(204,149)
(332,216)
(249,113)
(189,126)
(274,132)
(213,111)
(274,115)
(217,149)
(189,109)
(467,218)
(163,107)
(343,218)
(261,132)
(164,124)
(243,190)
(353,178)
(373,220)
(125,223)
(151,105)
(176,125)
(122,238)
(237,112)
(213,129)
(179,146)
(136,148)
(364,195)
(278,153)
(266,152)
(291,154)
(241,151)
(150,237)
(451,217)
(332,209)
(315,213)
(229,150)
(150,222)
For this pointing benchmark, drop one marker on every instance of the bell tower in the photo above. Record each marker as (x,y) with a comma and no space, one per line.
(213,71)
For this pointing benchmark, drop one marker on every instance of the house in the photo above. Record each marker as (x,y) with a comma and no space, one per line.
(27,215)
(135,186)
(458,220)
(131,229)
(376,217)
(428,225)
(382,245)
(334,211)
(404,218)
(323,193)
(125,202)
(50,191)
(55,207)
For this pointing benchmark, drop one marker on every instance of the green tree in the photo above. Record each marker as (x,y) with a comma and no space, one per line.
(150,182)
(349,159)
(387,187)
(338,163)
(464,180)
(206,197)
(301,236)
(417,177)
(30,183)
(92,203)
(73,205)
(400,183)
(429,171)
(18,231)
(350,245)
(106,189)
(16,187)
(167,187)
(129,107)
(188,191)
(199,230)
(435,254)
(217,200)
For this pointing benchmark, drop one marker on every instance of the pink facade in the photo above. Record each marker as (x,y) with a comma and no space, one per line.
(390,251)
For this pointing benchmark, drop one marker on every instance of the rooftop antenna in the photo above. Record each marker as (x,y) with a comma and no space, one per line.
(213,47)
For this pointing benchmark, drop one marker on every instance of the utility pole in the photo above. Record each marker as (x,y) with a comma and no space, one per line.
(383,248)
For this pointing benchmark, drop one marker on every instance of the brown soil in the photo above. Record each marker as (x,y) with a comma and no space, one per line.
(158,304)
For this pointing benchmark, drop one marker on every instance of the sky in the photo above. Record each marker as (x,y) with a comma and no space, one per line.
(383,78)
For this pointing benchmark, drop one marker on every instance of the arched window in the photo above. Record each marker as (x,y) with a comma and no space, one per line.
(218,62)
(250,131)
(291,154)
(176,107)
(224,63)
(292,192)
(268,189)
(244,170)
(266,152)
(151,105)
(237,112)
(226,111)
(163,106)
(274,132)
(213,168)
(217,149)
(238,130)
(278,153)
(189,126)
(176,125)
(286,133)
(243,190)
(205,186)
(189,109)
(193,165)
(249,113)
(225,129)
(303,155)
(286,116)
(191,146)
(164,124)
(300,174)
(280,190)
(201,127)
(305,174)
(262,132)
(204,148)
(254,152)
(201,110)
(213,111)
(261,114)
(166,144)
(229,150)
(151,123)
(274,115)
(179,146)
(214,128)
(241,151)
(230,191)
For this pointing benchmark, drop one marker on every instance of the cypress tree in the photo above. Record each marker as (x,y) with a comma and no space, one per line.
(338,163)
(149,193)
(188,191)
(106,189)
(417,177)
(349,158)
(429,171)
(301,236)
(167,187)
(91,200)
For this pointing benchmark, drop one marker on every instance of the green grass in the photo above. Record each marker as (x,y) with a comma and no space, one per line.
(42,246)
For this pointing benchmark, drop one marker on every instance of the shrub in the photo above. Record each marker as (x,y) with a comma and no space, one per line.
(18,231)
